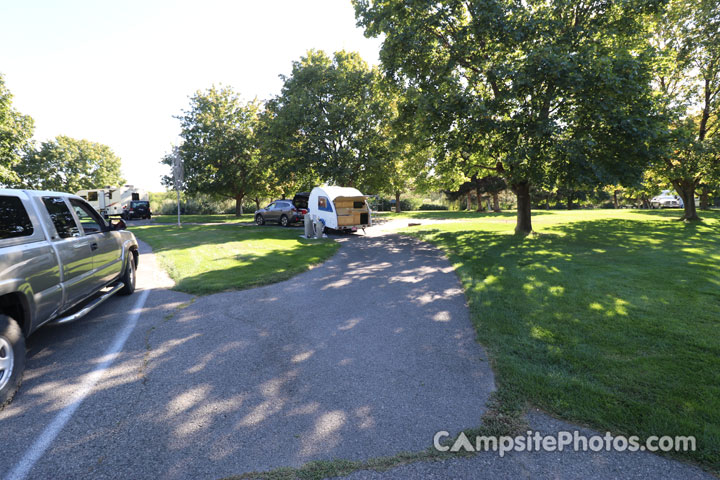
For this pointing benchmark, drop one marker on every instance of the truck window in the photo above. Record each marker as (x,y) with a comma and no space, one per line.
(136,196)
(14,220)
(89,219)
(92,196)
(61,217)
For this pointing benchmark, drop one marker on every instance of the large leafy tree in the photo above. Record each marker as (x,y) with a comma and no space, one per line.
(406,156)
(220,146)
(687,38)
(523,88)
(67,164)
(326,123)
(16,130)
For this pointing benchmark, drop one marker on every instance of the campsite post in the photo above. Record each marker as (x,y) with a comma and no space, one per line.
(178,177)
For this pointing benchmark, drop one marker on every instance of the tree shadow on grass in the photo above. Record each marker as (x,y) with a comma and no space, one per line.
(611,323)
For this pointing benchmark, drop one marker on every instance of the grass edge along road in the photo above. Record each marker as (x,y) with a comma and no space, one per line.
(608,318)
(210,218)
(204,259)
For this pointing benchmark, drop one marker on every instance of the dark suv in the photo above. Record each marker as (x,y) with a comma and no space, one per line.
(280,211)
(137,209)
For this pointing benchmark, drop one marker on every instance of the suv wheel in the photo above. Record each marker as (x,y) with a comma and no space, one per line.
(284,221)
(12,358)
(259,220)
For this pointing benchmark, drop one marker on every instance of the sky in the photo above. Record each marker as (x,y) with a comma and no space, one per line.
(117,72)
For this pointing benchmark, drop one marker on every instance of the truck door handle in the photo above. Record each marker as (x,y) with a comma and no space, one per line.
(93,246)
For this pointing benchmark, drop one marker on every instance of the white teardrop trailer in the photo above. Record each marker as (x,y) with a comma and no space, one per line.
(340,208)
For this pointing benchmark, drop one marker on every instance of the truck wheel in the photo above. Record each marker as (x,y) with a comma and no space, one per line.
(12,358)
(128,277)
(284,221)
(259,220)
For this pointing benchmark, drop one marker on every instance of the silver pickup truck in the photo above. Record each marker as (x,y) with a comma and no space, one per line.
(58,260)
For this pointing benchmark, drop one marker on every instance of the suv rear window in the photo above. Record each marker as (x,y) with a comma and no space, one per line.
(14,220)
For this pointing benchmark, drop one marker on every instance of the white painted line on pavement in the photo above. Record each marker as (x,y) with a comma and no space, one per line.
(33,454)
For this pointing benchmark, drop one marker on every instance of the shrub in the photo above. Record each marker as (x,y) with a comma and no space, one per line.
(432,206)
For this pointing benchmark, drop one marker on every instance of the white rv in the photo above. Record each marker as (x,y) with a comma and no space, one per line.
(113,201)
(340,208)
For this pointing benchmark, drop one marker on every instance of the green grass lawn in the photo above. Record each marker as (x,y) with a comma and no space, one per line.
(609,318)
(206,259)
(248,217)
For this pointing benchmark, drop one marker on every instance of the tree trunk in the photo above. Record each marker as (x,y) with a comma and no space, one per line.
(569,202)
(704,200)
(496,202)
(480,207)
(257,203)
(238,204)
(524,216)
(469,202)
(398,208)
(615,199)
(686,190)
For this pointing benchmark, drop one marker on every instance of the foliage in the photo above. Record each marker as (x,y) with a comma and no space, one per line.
(432,206)
(68,165)
(687,38)
(220,149)
(16,130)
(326,123)
(523,88)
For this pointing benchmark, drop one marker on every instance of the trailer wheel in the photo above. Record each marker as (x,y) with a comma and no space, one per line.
(12,358)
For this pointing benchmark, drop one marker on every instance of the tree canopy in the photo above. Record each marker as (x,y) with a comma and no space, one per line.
(67,164)
(16,130)
(327,122)
(686,36)
(220,147)
(523,88)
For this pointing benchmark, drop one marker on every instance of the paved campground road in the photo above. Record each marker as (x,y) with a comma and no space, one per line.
(367,355)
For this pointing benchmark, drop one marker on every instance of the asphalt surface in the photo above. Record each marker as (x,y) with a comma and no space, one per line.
(367,355)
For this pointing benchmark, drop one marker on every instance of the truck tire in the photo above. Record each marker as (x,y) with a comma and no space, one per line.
(128,276)
(12,358)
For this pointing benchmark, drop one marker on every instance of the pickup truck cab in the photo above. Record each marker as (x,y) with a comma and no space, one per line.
(59,259)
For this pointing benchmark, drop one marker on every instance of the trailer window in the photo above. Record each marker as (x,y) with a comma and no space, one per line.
(14,220)
(324,204)
(92,196)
